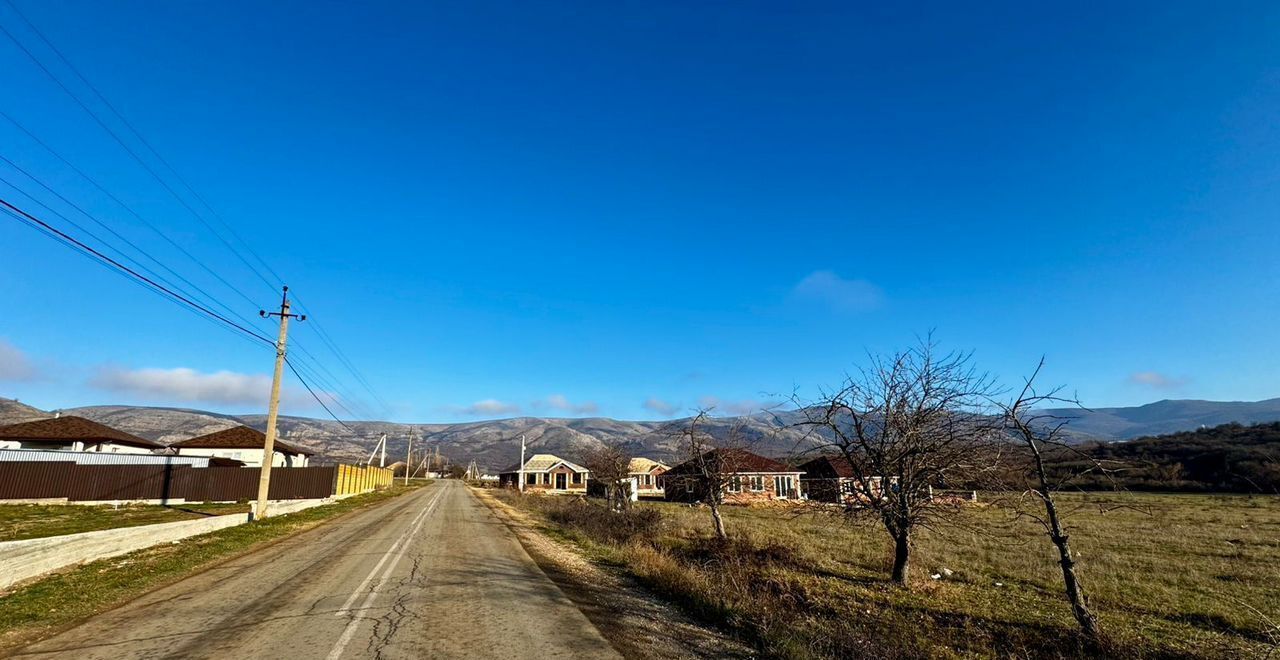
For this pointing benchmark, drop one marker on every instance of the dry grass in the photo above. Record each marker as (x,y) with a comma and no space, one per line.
(1171,576)
(30,521)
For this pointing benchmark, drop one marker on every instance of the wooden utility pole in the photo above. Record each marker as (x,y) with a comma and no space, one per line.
(273,406)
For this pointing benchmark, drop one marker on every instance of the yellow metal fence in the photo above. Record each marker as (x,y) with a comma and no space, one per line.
(352,479)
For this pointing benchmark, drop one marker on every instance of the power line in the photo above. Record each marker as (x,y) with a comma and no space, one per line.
(190,189)
(118,251)
(346,362)
(134,154)
(124,275)
(138,135)
(337,400)
(317,398)
(209,297)
(126,207)
(174,295)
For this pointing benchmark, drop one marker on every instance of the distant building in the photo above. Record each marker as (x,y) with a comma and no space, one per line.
(243,444)
(748,478)
(71,433)
(645,475)
(833,479)
(547,473)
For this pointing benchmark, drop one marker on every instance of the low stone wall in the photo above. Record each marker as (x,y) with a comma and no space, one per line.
(280,508)
(23,560)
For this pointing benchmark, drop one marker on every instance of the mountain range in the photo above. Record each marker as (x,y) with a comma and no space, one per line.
(495,444)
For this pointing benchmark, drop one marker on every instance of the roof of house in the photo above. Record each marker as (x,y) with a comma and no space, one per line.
(543,463)
(828,466)
(239,437)
(74,428)
(645,465)
(732,461)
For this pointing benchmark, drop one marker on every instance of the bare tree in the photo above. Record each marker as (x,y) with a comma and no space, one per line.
(610,465)
(910,422)
(1038,432)
(712,465)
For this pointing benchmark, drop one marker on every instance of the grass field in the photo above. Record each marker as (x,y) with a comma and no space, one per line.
(29,521)
(1195,576)
(41,608)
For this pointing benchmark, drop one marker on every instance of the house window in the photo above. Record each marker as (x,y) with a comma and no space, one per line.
(577,478)
(782,486)
(531,479)
(757,483)
(735,484)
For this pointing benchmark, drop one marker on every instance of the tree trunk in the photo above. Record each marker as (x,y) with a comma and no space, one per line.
(1075,593)
(719,522)
(901,556)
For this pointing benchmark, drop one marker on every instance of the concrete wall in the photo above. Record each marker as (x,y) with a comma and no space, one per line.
(30,558)
(281,507)
(23,560)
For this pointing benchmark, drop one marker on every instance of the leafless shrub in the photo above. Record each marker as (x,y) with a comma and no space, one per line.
(910,422)
(610,465)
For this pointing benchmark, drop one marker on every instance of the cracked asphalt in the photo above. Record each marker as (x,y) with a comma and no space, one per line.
(432,574)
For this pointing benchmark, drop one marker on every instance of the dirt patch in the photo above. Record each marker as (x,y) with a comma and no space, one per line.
(637,623)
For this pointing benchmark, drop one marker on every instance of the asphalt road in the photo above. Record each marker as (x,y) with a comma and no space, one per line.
(429,574)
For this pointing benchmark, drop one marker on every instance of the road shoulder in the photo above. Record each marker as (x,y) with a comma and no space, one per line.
(637,623)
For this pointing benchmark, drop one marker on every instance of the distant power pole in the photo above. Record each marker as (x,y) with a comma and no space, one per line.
(408,458)
(273,409)
(521,475)
(380,447)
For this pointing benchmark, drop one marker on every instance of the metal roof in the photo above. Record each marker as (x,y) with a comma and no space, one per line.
(100,458)
(543,463)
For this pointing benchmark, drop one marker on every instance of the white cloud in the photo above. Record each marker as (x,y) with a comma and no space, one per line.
(659,406)
(490,407)
(14,364)
(743,407)
(226,387)
(1157,380)
(562,403)
(837,293)
(188,385)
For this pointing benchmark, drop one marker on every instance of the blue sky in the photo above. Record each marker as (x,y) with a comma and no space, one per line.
(630,209)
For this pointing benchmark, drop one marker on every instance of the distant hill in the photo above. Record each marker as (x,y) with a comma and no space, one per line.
(495,444)
(1167,416)
(13,412)
(1231,457)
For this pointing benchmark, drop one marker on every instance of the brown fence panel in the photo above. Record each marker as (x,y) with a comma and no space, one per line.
(123,482)
(86,483)
(301,483)
(225,484)
(31,480)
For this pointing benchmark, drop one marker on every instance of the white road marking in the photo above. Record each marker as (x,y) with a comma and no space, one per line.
(403,544)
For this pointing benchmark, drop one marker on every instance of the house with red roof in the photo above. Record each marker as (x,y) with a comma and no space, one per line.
(244,444)
(71,433)
(745,477)
(833,479)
